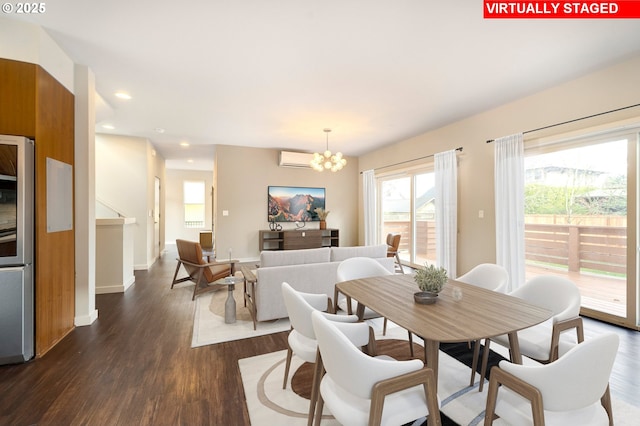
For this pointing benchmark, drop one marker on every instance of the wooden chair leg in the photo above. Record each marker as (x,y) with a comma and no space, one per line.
(319,408)
(286,367)
(196,287)
(485,362)
(399,264)
(492,397)
(411,344)
(175,275)
(318,372)
(606,403)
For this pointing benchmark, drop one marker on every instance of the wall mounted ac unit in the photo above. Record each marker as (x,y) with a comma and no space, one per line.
(295,159)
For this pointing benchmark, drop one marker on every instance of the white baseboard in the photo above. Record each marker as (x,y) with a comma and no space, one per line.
(116,288)
(86,319)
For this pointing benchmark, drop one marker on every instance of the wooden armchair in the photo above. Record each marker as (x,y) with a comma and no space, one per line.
(201,273)
(393,244)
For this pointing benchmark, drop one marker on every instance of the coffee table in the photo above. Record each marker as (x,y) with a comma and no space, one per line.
(230,304)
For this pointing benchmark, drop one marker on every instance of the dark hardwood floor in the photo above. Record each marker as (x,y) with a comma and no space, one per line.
(135,366)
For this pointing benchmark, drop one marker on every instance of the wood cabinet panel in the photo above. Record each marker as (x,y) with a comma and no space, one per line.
(17,98)
(296,240)
(55,251)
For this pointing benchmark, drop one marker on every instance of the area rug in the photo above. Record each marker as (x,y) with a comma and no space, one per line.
(208,323)
(461,404)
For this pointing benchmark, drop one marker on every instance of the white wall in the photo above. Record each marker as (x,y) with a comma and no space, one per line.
(85,197)
(242,176)
(125,167)
(174,207)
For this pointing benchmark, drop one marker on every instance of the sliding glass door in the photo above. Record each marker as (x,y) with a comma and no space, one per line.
(407,206)
(577,212)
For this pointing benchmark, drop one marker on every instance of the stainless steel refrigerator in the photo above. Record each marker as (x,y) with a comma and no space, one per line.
(16,249)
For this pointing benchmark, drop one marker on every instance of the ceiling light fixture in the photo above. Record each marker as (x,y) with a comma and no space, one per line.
(184,144)
(326,160)
(108,126)
(123,95)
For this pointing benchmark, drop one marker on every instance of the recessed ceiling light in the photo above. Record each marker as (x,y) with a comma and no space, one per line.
(189,160)
(123,95)
(108,126)
(159,130)
(184,144)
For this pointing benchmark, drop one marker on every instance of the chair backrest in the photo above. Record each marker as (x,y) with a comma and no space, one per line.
(576,380)
(393,242)
(300,306)
(191,251)
(487,275)
(360,267)
(349,367)
(558,294)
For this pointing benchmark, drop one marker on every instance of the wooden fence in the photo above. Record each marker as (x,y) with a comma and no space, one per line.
(563,219)
(596,248)
(576,247)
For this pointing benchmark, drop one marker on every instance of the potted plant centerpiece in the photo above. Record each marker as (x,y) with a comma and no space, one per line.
(430,280)
(322,215)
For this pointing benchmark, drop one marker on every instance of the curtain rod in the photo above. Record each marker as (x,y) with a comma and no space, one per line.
(574,120)
(409,161)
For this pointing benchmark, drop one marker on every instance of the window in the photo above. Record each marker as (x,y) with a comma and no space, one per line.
(194,208)
(407,204)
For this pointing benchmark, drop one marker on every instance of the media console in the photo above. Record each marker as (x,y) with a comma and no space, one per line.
(294,239)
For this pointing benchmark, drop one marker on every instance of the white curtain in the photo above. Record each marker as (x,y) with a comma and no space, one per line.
(446,174)
(369,205)
(509,188)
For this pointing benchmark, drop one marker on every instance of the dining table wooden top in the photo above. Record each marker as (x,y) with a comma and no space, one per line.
(462,312)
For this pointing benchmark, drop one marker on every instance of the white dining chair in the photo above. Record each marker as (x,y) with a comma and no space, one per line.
(302,339)
(362,390)
(487,275)
(362,267)
(491,277)
(355,268)
(574,390)
(547,341)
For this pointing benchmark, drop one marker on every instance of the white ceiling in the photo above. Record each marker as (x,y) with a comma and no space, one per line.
(275,73)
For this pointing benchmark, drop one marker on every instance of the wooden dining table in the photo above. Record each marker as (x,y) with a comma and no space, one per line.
(462,312)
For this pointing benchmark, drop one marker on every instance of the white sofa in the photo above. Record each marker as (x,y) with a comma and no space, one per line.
(308,270)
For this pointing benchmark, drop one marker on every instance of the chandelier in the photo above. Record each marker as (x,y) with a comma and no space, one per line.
(326,160)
